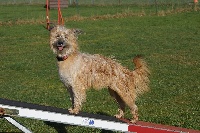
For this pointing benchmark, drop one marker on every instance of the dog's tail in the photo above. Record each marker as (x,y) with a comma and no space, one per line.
(141,75)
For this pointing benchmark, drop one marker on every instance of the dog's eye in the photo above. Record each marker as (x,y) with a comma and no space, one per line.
(58,36)
(66,36)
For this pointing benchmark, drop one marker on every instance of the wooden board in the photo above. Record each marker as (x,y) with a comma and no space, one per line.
(54,4)
(52,114)
(147,127)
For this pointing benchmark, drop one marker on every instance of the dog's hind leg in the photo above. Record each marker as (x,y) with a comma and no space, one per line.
(134,111)
(120,103)
(131,104)
(129,100)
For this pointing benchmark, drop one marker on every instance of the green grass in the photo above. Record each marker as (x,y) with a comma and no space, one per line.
(169,43)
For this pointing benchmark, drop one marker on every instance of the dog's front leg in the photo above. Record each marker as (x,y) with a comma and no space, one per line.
(79,96)
(69,89)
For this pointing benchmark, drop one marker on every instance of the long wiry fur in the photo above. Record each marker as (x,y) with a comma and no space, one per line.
(81,71)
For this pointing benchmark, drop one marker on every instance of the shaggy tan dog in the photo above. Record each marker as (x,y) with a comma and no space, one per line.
(80,71)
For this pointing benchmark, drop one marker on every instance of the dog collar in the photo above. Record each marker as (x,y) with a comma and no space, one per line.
(62,58)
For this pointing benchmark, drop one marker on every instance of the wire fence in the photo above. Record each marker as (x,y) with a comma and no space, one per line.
(103,2)
(22,1)
(136,2)
(159,6)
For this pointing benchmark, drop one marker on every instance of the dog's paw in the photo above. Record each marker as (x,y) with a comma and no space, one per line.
(133,121)
(73,111)
(118,116)
(121,114)
(70,109)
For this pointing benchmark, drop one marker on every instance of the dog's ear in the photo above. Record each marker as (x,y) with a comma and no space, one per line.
(77,32)
(51,26)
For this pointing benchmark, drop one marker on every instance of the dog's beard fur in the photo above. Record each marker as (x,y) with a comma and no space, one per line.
(81,71)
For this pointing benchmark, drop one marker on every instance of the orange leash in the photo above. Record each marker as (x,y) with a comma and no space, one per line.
(60,18)
(47,15)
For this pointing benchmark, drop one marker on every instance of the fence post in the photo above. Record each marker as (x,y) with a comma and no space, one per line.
(92,2)
(195,4)
(156,4)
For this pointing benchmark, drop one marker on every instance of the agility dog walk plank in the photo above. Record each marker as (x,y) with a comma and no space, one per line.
(52,114)
(147,127)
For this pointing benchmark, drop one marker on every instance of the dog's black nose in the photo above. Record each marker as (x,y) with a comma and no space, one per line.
(60,43)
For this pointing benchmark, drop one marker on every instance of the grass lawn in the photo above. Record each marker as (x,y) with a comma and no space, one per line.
(170,45)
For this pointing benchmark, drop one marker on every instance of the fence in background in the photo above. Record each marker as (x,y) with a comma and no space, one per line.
(102,2)
(158,4)
(22,1)
(137,2)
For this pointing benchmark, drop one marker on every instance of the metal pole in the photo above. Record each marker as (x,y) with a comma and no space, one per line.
(16,124)
(77,7)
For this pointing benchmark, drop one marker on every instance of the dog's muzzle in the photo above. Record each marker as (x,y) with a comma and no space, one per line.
(60,44)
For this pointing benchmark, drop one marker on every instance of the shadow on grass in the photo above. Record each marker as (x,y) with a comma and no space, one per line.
(59,127)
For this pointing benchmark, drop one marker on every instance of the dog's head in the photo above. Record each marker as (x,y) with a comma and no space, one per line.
(63,41)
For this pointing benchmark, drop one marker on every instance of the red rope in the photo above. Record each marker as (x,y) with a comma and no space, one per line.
(47,14)
(60,18)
